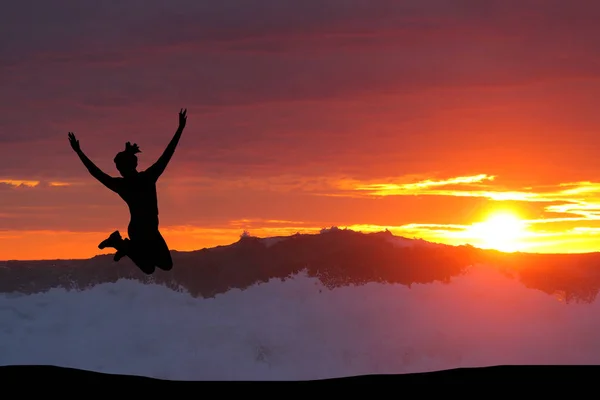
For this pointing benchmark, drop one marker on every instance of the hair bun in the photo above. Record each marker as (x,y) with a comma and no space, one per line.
(132,148)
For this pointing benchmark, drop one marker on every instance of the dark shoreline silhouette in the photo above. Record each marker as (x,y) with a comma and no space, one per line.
(503,374)
(145,246)
(337,258)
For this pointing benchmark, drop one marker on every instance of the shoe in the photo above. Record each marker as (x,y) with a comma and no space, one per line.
(112,241)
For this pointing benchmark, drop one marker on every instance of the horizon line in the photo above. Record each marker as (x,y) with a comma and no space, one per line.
(245,236)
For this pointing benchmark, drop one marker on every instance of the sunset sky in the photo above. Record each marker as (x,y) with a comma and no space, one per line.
(423,117)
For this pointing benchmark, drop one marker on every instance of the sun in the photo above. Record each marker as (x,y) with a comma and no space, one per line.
(501,231)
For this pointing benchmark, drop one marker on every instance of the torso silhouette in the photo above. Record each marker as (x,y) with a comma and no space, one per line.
(139,192)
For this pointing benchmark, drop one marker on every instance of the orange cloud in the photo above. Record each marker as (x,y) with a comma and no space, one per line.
(411,188)
(578,198)
(19,183)
(32,183)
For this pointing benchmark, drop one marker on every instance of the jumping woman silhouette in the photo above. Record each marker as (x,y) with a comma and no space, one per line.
(145,246)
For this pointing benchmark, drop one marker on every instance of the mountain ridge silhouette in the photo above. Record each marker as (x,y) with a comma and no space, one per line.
(337,257)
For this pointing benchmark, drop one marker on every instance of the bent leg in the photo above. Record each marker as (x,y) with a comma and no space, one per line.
(137,252)
(163,254)
(147,248)
(145,265)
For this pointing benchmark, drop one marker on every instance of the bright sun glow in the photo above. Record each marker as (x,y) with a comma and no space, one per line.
(502,231)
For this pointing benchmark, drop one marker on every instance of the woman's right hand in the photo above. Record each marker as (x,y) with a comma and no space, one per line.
(74,142)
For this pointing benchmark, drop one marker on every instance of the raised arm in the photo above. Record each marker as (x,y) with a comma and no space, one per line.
(96,172)
(156,169)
